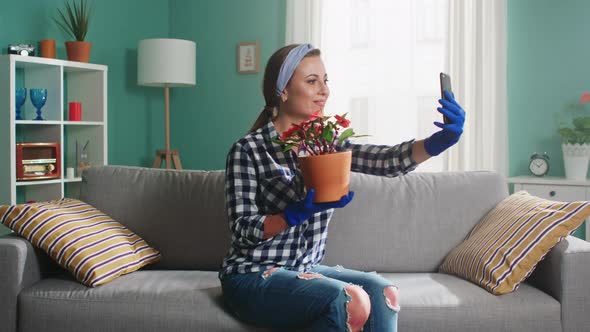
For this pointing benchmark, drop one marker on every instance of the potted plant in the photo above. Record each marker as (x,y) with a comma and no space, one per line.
(75,22)
(323,168)
(576,142)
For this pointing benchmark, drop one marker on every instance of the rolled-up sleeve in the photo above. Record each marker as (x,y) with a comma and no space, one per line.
(383,160)
(245,222)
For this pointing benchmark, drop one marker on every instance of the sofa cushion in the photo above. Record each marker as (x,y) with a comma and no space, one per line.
(409,223)
(413,217)
(444,303)
(505,247)
(191,301)
(90,244)
(179,212)
(142,301)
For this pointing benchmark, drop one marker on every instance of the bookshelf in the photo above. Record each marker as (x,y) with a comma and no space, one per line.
(65,81)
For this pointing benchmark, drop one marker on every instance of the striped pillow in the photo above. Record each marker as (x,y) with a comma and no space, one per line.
(506,245)
(88,243)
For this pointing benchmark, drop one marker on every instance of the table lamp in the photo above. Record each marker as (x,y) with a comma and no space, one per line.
(166,63)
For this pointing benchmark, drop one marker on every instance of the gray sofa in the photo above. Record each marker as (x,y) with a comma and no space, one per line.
(401,227)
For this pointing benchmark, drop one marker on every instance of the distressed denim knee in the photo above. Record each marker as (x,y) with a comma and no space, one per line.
(358,308)
(337,316)
(391,294)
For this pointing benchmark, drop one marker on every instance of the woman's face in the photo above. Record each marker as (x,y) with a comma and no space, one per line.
(307,90)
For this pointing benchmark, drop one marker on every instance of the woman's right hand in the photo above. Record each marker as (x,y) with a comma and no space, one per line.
(298,212)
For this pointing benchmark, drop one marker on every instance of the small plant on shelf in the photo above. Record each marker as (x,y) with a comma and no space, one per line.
(575,140)
(75,20)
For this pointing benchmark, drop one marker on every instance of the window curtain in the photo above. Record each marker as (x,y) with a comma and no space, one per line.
(369,48)
(477,65)
(303,19)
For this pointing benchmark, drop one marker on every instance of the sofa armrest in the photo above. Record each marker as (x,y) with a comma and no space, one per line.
(20,267)
(565,275)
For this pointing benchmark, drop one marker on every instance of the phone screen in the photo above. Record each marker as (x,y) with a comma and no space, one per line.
(445,84)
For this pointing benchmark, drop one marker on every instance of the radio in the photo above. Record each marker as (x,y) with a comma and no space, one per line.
(36,161)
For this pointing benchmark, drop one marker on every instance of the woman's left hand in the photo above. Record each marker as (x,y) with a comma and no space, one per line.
(450,133)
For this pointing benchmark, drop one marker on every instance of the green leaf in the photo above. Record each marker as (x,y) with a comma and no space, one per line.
(328,133)
(74,20)
(582,122)
(572,136)
(345,134)
(288,147)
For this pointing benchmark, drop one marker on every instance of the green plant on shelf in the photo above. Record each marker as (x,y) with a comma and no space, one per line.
(579,130)
(76,19)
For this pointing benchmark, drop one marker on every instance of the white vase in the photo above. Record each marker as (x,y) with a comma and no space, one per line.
(575,159)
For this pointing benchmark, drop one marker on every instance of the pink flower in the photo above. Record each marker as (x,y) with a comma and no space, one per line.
(288,133)
(342,121)
(315,115)
(585,97)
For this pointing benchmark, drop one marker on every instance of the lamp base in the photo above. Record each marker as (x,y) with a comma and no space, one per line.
(168,156)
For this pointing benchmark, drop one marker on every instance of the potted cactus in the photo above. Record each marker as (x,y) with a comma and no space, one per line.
(576,142)
(74,20)
(323,168)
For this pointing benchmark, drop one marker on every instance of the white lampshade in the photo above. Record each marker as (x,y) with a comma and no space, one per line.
(166,62)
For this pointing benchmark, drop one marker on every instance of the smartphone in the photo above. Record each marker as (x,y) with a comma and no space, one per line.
(445,84)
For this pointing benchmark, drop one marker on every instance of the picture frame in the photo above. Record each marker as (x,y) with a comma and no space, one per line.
(248,57)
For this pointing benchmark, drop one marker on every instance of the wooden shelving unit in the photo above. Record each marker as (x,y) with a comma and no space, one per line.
(65,81)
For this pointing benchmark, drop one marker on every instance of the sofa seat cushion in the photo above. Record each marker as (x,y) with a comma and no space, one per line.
(191,301)
(154,300)
(441,302)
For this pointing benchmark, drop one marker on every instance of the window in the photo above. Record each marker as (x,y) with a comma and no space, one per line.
(383,58)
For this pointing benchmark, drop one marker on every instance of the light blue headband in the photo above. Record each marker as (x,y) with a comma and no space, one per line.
(288,67)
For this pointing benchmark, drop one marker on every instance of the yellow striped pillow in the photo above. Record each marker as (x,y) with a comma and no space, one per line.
(88,243)
(506,245)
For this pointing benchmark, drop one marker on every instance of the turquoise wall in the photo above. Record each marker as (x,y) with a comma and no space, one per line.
(117,26)
(206,119)
(548,68)
(134,113)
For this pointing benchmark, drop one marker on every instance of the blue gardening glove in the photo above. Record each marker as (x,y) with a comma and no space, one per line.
(298,212)
(450,132)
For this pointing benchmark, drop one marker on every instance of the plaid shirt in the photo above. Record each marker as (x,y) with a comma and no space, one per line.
(261,179)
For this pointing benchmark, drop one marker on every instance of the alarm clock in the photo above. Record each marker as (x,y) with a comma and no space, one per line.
(539,164)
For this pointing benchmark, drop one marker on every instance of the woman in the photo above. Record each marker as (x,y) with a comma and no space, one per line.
(272,275)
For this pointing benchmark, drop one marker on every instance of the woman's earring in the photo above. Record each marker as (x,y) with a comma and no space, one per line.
(275,112)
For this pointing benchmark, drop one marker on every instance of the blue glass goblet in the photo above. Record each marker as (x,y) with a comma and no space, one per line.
(21,96)
(38,98)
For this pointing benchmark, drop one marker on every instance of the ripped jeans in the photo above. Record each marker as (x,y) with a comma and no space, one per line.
(282,299)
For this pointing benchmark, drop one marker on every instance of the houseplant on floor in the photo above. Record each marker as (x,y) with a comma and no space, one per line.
(324,169)
(75,22)
(576,143)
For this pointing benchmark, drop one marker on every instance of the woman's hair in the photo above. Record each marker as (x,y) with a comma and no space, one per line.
(269,83)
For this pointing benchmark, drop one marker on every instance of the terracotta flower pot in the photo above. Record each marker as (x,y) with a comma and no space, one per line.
(328,174)
(78,51)
(48,48)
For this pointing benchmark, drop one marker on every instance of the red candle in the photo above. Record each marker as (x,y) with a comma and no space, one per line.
(75,111)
